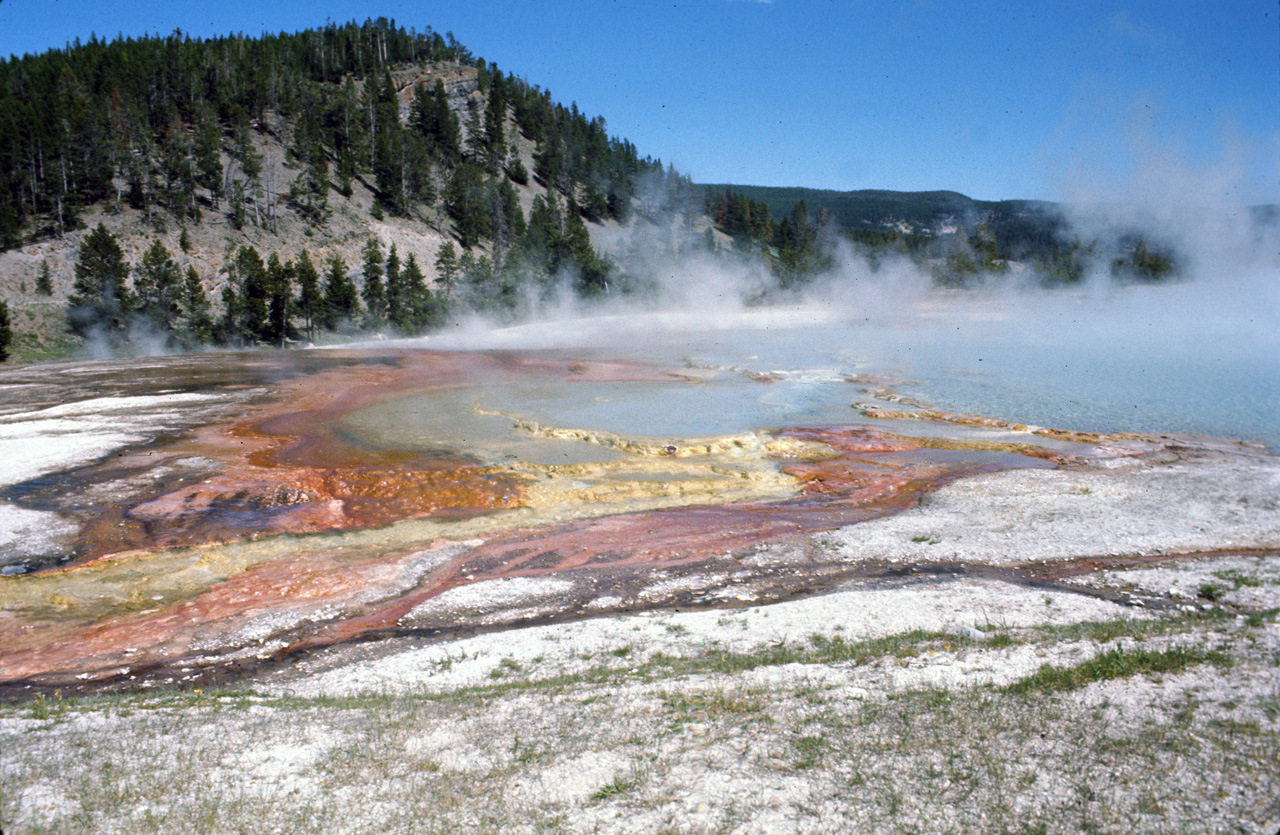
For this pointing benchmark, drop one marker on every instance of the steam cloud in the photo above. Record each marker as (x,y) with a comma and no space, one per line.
(1199,354)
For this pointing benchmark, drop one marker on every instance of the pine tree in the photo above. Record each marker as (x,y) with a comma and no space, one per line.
(174,155)
(448,131)
(235,206)
(207,148)
(432,118)
(419,171)
(398,308)
(592,270)
(311,305)
(347,135)
(548,164)
(495,116)
(280,298)
(425,309)
(341,303)
(6,332)
(508,219)
(196,327)
(100,302)
(796,240)
(476,143)
(158,284)
(309,191)
(466,199)
(44,281)
(481,286)
(249,156)
(516,169)
(374,291)
(225,329)
(595,205)
(388,148)
(249,311)
(447,267)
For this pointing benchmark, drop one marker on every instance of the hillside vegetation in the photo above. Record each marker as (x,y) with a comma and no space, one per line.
(181,191)
(166,193)
(958,240)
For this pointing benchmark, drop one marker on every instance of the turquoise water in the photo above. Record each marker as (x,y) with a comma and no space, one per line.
(1145,360)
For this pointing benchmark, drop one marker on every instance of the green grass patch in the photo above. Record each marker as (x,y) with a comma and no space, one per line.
(1107,631)
(704,705)
(1114,663)
(1257,620)
(809,751)
(40,334)
(509,676)
(1210,591)
(1238,578)
(618,785)
(505,666)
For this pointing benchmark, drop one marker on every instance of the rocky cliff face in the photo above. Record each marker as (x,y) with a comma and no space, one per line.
(461,84)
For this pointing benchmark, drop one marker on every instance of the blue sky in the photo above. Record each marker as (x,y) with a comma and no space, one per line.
(992,99)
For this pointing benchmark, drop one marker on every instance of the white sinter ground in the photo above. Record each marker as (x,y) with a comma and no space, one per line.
(919,704)
(880,707)
(43,441)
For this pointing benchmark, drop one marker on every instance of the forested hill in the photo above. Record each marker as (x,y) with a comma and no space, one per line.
(960,241)
(906,212)
(179,165)
(152,122)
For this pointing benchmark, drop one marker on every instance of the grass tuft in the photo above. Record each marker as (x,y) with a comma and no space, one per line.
(1210,592)
(1113,664)
(809,750)
(618,785)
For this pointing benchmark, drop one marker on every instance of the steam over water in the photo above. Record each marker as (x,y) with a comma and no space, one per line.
(1198,358)
(1179,359)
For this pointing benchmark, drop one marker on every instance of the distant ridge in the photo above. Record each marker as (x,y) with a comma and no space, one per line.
(910,212)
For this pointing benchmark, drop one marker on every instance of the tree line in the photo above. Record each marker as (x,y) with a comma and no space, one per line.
(263,302)
(798,247)
(983,241)
(147,120)
(170,126)
(182,129)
